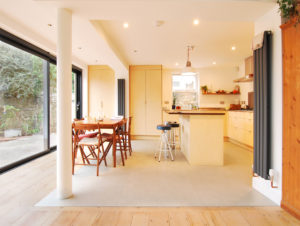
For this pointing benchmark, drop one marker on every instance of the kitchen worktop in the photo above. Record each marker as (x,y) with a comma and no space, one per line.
(241,110)
(201,111)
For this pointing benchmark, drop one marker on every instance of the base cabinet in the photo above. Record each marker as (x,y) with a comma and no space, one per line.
(240,127)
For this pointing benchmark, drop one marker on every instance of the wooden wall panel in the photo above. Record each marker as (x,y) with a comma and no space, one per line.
(153,98)
(101,88)
(145,98)
(291,119)
(138,101)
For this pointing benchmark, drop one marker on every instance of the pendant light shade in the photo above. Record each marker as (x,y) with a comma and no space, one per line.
(188,69)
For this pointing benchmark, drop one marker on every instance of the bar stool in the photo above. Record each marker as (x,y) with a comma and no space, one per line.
(164,142)
(174,127)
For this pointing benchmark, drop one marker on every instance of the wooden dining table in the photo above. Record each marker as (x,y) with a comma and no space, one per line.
(106,123)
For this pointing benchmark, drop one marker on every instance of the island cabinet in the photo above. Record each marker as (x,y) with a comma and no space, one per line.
(202,136)
(240,127)
(145,99)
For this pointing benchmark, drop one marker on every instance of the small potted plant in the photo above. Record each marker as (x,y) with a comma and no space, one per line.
(204,89)
(174,101)
(289,9)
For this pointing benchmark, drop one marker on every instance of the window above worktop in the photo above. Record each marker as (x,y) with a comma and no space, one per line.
(184,83)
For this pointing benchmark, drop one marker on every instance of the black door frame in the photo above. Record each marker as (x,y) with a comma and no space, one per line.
(19,43)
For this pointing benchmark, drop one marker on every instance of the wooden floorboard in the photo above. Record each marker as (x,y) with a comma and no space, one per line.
(23,187)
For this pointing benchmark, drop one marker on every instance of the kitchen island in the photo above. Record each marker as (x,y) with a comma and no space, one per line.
(202,135)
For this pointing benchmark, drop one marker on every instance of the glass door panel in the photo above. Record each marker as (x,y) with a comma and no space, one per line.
(21,104)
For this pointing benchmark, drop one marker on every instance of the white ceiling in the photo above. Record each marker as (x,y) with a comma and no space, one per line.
(167,44)
(222,24)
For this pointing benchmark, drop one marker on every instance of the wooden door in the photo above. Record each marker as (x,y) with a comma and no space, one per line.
(291,119)
(101,90)
(153,101)
(138,101)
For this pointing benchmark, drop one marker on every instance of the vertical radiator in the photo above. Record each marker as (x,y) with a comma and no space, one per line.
(262,107)
(121,97)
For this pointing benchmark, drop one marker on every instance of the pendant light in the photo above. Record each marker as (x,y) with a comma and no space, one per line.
(188,70)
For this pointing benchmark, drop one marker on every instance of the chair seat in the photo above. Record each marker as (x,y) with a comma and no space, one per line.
(88,135)
(107,136)
(89,141)
(173,124)
(163,127)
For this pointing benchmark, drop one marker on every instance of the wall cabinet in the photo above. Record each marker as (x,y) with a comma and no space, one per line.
(240,127)
(145,99)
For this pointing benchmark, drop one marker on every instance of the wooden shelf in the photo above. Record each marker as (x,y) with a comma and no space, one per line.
(220,93)
(244,79)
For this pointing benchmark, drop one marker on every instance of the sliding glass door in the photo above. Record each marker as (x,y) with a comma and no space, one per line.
(21,104)
(28,101)
(76,100)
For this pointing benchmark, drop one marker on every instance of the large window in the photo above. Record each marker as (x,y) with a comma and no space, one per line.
(21,104)
(185,90)
(28,101)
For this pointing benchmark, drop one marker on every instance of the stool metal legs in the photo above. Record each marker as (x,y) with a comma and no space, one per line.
(165,146)
(173,142)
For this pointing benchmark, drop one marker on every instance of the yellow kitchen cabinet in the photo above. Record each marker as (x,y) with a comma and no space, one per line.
(145,99)
(240,127)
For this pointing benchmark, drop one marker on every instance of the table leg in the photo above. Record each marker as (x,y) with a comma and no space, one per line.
(114,148)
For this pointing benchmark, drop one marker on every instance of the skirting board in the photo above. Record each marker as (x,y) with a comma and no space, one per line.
(264,187)
(249,148)
(288,208)
(145,137)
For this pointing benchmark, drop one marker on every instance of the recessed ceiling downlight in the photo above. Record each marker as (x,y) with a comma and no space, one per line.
(196,22)
(233,48)
(125,25)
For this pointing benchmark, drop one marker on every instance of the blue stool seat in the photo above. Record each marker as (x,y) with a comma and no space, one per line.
(163,127)
(173,124)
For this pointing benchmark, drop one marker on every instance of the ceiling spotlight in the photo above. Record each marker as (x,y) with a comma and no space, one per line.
(214,63)
(233,48)
(49,25)
(125,25)
(135,51)
(176,64)
(196,22)
(159,23)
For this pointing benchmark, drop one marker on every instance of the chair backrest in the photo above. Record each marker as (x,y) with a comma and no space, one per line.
(80,128)
(85,126)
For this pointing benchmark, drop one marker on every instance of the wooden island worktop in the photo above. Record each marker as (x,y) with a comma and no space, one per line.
(202,135)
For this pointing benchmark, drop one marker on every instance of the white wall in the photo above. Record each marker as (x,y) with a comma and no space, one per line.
(214,77)
(218,78)
(245,87)
(271,21)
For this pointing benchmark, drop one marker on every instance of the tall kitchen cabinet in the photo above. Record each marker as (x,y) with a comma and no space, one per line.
(145,99)
(291,120)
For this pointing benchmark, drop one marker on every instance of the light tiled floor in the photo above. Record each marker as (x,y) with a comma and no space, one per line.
(146,182)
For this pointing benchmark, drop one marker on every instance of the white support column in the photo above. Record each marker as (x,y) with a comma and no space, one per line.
(64,103)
